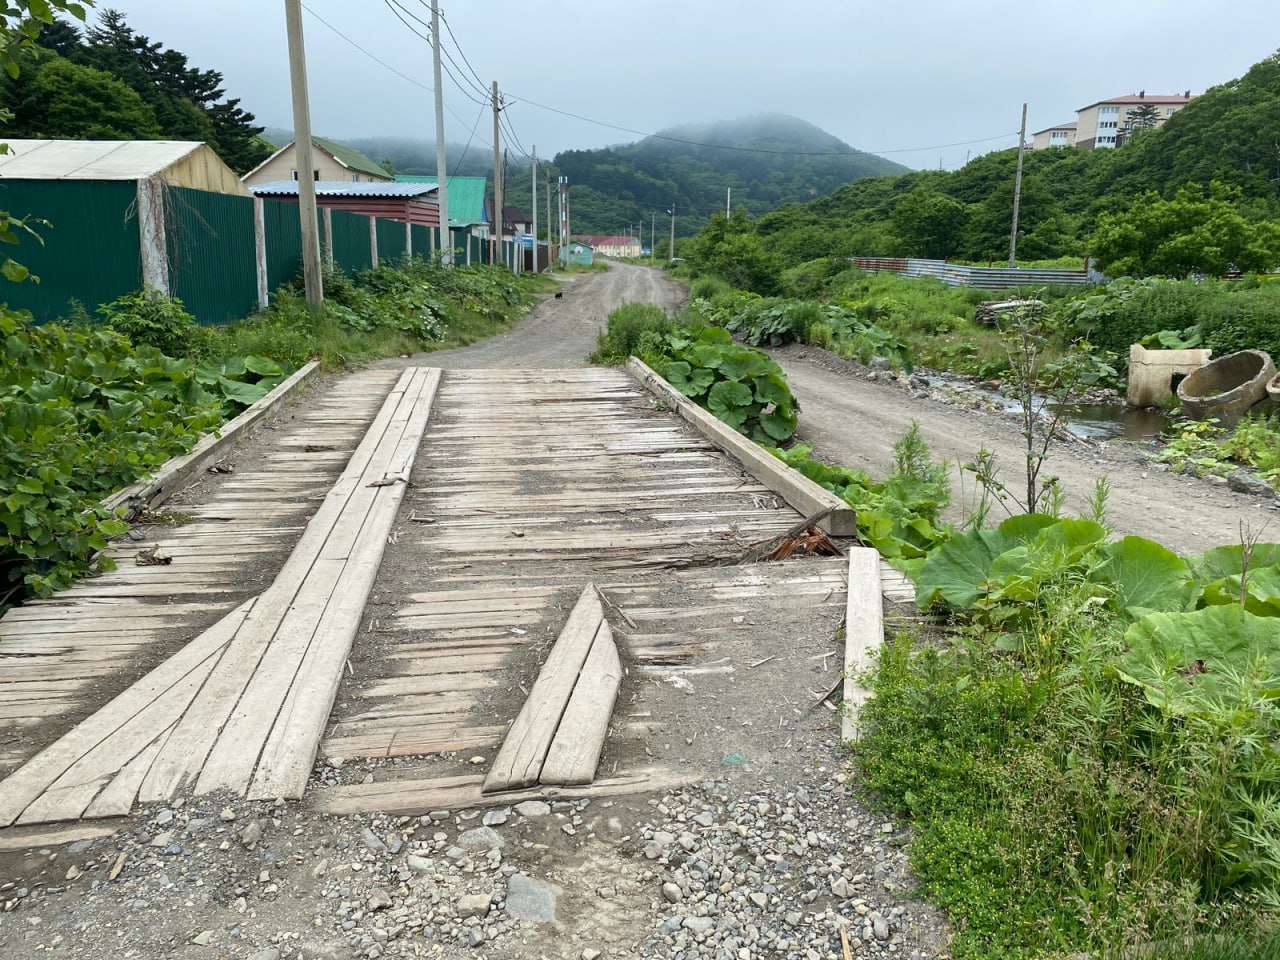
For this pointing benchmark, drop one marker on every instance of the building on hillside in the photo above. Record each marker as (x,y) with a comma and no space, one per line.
(176,163)
(619,245)
(1105,124)
(1063,135)
(332,162)
(405,202)
(576,253)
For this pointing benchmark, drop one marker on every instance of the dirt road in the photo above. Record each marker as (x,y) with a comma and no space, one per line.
(851,420)
(560,333)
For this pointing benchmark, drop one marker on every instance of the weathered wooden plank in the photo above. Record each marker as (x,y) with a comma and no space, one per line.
(416,797)
(519,761)
(863,633)
(579,741)
(33,838)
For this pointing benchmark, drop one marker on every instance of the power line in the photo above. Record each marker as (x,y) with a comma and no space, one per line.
(458,47)
(474,127)
(401,13)
(378,60)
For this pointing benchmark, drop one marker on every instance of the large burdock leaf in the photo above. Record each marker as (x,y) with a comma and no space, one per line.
(778,425)
(1204,661)
(1228,561)
(1261,591)
(731,402)
(958,571)
(1145,576)
(744,364)
(690,382)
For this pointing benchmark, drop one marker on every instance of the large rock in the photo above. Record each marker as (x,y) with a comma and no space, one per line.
(531,899)
(480,838)
(1242,481)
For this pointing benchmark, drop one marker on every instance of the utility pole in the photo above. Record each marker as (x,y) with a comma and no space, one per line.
(534,179)
(311,277)
(728,206)
(652,237)
(1017,191)
(564,217)
(497,175)
(671,250)
(442,163)
(551,260)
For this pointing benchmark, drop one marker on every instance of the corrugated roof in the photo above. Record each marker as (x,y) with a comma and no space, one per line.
(1071,125)
(1136,99)
(92,159)
(351,157)
(466,197)
(340,188)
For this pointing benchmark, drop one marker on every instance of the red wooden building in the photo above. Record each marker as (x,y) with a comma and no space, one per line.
(406,202)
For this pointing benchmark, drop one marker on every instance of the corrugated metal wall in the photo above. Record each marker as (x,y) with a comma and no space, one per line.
(390,241)
(982,278)
(90,253)
(212,266)
(284,242)
(350,241)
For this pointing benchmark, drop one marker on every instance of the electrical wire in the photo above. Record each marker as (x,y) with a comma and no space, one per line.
(474,127)
(457,46)
(400,14)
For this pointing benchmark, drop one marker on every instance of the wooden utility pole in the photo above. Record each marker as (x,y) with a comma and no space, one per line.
(653,217)
(442,162)
(1017,191)
(497,176)
(311,277)
(534,181)
(671,251)
(551,259)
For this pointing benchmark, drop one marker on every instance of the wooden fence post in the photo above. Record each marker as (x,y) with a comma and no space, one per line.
(373,241)
(151,235)
(408,239)
(328,236)
(260,248)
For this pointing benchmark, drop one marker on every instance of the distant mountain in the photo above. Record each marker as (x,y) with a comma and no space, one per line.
(765,160)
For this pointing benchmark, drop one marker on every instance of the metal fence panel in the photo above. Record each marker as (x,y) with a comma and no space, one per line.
(212,265)
(284,243)
(424,244)
(390,241)
(351,241)
(89,254)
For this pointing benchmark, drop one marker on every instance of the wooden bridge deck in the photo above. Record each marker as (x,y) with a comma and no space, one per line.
(528,485)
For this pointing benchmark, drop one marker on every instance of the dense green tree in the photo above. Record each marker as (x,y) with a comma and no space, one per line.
(80,102)
(1197,231)
(728,248)
(929,224)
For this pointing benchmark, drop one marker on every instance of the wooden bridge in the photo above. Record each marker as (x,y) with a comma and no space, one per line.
(524,566)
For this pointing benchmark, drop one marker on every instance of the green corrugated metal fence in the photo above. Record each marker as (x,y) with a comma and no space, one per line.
(391,246)
(90,252)
(284,242)
(93,252)
(351,241)
(211,254)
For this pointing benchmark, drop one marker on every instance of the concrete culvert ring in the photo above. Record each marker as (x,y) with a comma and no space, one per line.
(1273,389)
(1227,387)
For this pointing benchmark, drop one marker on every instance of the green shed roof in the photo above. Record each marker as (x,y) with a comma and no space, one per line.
(466,197)
(351,157)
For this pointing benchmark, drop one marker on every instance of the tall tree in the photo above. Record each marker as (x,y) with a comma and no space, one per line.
(81,102)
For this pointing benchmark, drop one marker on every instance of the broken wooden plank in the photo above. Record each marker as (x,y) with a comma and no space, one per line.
(863,633)
(575,751)
(520,759)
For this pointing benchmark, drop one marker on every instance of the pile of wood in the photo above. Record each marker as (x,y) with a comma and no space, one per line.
(991,312)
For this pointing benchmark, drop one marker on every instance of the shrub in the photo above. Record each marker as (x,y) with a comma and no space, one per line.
(704,288)
(633,328)
(150,319)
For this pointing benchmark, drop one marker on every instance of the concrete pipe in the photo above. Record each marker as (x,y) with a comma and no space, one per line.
(1227,387)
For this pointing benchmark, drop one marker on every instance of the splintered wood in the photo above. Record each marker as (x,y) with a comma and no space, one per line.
(559,734)
(242,707)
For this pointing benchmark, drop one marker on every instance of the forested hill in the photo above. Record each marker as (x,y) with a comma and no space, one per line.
(767,160)
(1228,135)
(109,82)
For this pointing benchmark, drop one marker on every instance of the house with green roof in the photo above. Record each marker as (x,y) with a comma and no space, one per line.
(466,198)
(331,161)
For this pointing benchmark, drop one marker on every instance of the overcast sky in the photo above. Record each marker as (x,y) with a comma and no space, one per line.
(900,79)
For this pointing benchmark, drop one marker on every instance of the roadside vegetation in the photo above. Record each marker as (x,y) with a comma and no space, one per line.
(96,402)
(1084,737)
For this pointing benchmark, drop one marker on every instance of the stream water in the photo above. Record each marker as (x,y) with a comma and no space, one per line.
(1092,421)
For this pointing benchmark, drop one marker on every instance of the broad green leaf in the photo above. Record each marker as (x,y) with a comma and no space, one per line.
(263,366)
(1261,589)
(958,571)
(1145,576)
(744,364)
(778,425)
(1228,561)
(1203,661)
(690,382)
(729,397)
(244,394)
